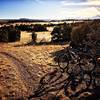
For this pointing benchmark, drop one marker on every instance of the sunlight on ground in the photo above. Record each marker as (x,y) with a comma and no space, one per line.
(25,36)
(43,36)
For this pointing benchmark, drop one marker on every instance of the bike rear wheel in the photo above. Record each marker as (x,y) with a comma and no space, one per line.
(87,63)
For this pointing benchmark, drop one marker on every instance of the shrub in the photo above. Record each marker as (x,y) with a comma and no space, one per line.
(36,27)
(24,27)
(9,34)
(56,34)
(39,28)
(86,33)
(34,37)
(79,33)
(61,33)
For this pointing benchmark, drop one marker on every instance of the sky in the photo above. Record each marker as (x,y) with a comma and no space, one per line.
(49,9)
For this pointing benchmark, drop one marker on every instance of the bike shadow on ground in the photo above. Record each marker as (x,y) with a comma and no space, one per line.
(56,79)
(82,94)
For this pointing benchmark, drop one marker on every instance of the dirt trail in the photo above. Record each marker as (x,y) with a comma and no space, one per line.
(22,67)
(28,77)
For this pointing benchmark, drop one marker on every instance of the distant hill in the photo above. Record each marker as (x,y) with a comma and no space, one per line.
(2,21)
(96,17)
(5,21)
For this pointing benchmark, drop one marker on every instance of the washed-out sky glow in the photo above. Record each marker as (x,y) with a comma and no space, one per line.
(49,9)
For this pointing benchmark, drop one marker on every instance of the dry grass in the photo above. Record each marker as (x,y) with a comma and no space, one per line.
(43,36)
(21,68)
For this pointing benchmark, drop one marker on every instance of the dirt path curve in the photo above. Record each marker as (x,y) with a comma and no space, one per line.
(29,77)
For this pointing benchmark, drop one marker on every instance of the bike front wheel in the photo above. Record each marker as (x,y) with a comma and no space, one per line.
(63,61)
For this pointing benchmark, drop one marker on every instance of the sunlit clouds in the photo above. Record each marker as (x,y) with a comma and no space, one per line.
(49,9)
(86,13)
(88,3)
(81,8)
(74,8)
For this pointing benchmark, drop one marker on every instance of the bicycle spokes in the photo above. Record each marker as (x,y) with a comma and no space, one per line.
(87,63)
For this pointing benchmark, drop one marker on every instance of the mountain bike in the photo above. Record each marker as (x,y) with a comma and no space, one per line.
(68,60)
(87,62)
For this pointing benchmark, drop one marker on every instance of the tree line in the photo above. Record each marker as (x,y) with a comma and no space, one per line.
(61,32)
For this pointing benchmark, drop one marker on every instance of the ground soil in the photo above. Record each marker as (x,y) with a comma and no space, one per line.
(21,67)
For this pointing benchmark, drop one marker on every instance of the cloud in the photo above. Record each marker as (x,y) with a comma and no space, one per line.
(83,8)
(76,8)
(88,3)
(87,12)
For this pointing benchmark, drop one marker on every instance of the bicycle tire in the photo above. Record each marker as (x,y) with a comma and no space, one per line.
(87,63)
(63,61)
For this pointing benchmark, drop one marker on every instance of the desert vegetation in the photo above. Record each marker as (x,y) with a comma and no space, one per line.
(61,33)
(9,34)
(36,27)
(85,31)
(22,65)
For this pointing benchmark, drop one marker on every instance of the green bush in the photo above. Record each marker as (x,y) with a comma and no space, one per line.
(30,28)
(34,37)
(85,33)
(24,27)
(61,33)
(9,34)
(39,28)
